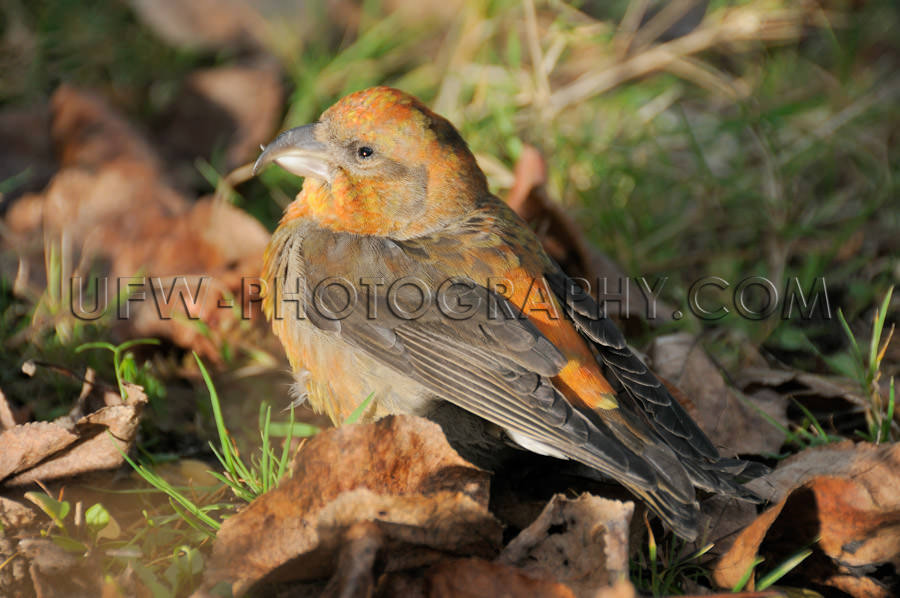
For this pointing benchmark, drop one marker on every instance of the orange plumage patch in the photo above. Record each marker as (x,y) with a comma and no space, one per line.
(580,380)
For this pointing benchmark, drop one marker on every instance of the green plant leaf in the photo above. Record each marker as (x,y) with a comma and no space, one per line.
(55,509)
(69,544)
(100,523)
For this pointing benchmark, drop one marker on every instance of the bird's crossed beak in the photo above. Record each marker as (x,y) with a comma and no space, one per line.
(297,151)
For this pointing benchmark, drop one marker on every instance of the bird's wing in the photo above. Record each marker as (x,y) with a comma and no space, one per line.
(641,393)
(647,408)
(492,361)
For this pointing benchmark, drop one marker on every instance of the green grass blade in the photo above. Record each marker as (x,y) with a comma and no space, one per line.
(854,346)
(783,569)
(745,578)
(224,439)
(163,486)
(877,329)
(885,432)
(360,409)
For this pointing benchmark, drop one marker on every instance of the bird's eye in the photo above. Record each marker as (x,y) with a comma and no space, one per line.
(364,151)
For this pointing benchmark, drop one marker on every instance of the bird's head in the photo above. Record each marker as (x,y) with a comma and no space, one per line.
(380,162)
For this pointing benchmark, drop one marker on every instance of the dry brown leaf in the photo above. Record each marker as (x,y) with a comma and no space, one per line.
(88,133)
(722,518)
(581,542)
(860,587)
(24,446)
(474,578)
(809,384)
(564,240)
(399,472)
(50,450)
(847,495)
(119,217)
(405,532)
(731,568)
(822,395)
(733,426)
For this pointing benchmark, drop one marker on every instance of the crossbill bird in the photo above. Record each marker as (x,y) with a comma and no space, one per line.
(395,274)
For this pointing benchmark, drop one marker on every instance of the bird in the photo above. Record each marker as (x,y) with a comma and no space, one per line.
(396,277)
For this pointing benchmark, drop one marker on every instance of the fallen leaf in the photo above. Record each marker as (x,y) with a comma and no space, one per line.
(113,215)
(24,446)
(88,133)
(399,473)
(824,397)
(794,381)
(733,426)
(405,532)
(860,587)
(581,542)
(473,578)
(722,518)
(847,495)
(64,448)
(735,563)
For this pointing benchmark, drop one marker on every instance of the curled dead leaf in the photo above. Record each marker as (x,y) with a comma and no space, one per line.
(581,542)
(843,497)
(51,450)
(398,473)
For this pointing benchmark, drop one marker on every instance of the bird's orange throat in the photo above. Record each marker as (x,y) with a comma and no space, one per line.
(345,211)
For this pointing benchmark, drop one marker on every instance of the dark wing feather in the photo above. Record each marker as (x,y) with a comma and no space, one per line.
(648,395)
(646,405)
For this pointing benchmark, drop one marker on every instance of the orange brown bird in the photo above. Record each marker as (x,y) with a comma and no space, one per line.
(396,274)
